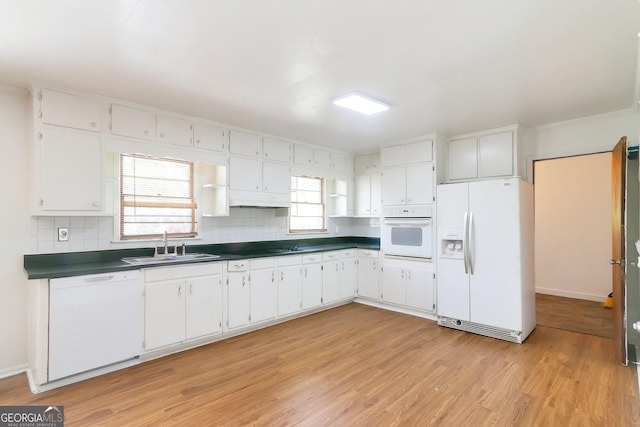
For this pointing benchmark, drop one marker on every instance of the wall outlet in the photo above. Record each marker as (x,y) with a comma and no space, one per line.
(63,234)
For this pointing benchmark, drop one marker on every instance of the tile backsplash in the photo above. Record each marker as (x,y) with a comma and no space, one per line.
(242,225)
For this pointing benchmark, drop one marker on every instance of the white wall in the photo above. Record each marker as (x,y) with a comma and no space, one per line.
(14,176)
(573,226)
(583,136)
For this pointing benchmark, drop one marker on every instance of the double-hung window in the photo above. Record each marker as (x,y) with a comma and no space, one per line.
(156,195)
(307,212)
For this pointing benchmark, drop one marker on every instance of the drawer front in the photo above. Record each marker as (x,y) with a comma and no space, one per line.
(368,253)
(238,265)
(286,261)
(312,258)
(330,256)
(258,263)
(183,271)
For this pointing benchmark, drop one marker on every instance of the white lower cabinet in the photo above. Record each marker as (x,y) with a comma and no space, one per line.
(263,289)
(311,281)
(238,294)
(181,303)
(348,274)
(368,274)
(289,285)
(408,283)
(330,277)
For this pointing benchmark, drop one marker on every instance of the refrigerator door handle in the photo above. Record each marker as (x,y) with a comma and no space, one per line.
(472,243)
(465,243)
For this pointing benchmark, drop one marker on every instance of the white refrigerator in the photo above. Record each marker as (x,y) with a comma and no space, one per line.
(486,258)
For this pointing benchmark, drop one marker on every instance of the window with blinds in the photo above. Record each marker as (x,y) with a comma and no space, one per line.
(307,212)
(156,195)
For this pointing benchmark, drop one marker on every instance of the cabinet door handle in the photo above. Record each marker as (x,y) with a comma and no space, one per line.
(273,276)
(94,124)
(197,141)
(180,290)
(162,135)
(281,276)
(337,268)
(243,280)
(305,272)
(190,288)
(146,132)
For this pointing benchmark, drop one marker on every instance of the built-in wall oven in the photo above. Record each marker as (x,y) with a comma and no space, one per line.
(407,231)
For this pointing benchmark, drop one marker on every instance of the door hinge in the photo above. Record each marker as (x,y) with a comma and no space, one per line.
(321,300)
(434,275)
(39,96)
(39,135)
(144,292)
(227,323)
(434,306)
(249,318)
(144,344)
(321,267)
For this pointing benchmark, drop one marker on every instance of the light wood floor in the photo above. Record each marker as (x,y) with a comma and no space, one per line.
(357,365)
(577,315)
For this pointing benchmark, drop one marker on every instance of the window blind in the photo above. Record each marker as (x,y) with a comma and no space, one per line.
(156,195)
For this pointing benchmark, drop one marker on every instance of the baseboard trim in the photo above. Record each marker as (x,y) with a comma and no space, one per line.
(14,370)
(569,294)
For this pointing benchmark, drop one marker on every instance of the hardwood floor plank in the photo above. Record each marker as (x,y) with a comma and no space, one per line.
(359,365)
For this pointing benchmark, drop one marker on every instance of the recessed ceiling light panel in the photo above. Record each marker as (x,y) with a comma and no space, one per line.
(361,103)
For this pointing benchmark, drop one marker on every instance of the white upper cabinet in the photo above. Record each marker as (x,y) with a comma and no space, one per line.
(63,109)
(321,158)
(303,155)
(132,122)
(276,178)
(174,130)
(245,174)
(409,175)
(210,137)
(495,155)
(414,152)
(71,172)
(276,150)
(488,154)
(369,163)
(341,162)
(245,144)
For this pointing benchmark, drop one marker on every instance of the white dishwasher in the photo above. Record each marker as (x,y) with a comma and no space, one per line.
(94,321)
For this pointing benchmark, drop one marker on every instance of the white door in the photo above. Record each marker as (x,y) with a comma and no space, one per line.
(394,186)
(393,156)
(238,307)
(394,285)
(210,137)
(463,158)
(419,152)
(132,122)
(368,279)
(245,174)
(303,155)
(204,306)
(164,313)
(453,282)
(375,194)
(495,155)
(173,130)
(494,234)
(276,150)
(276,178)
(330,281)
(246,144)
(66,156)
(419,181)
(311,285)
(290,290)
(363,195)
(264,294)
(348,277)
(321,158)
(420,288)
(72,111)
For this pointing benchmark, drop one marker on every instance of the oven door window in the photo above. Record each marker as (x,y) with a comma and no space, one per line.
(406,236)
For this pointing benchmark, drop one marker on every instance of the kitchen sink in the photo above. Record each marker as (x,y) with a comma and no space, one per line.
(163,259)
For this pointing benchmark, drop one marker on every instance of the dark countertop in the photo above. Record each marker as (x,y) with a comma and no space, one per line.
(49,266)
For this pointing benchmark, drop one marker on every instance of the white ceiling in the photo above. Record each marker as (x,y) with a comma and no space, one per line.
(447,66)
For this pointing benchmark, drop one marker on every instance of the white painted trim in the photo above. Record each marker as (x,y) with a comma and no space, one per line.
(579,120)
(568,294)
(398,309)
(636,93)
(13,370)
